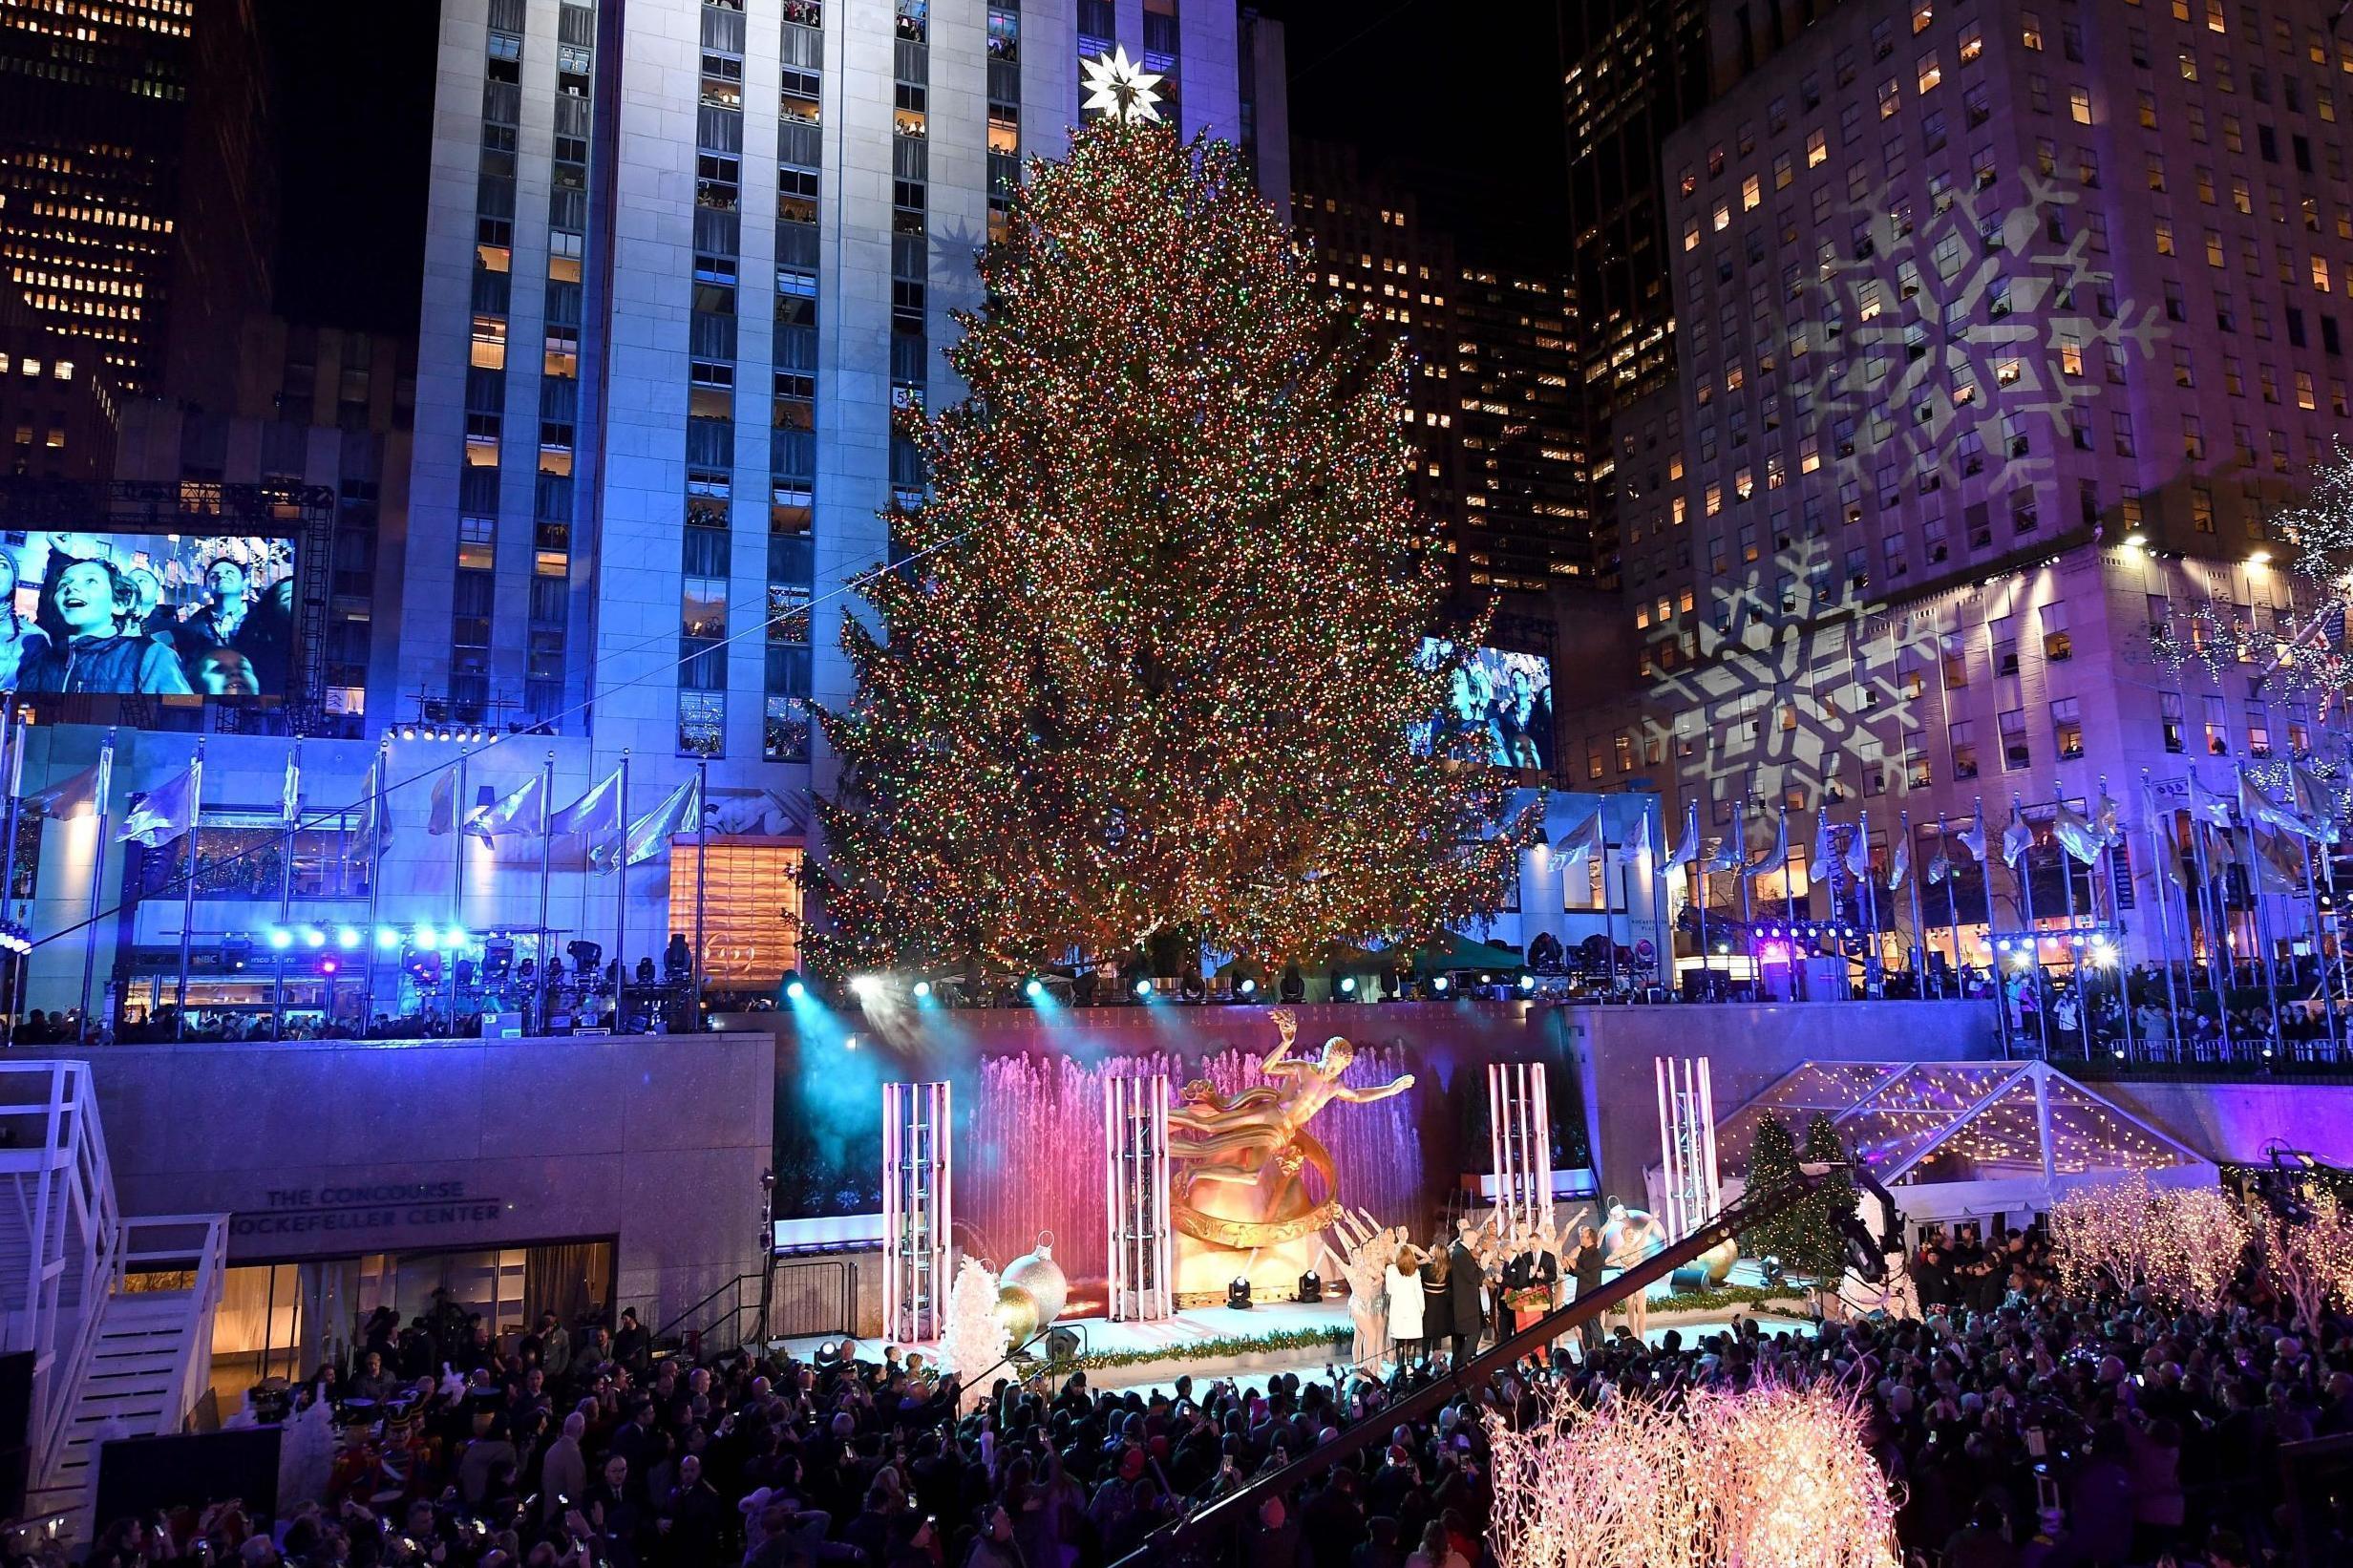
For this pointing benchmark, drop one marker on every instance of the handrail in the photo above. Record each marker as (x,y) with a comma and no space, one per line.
(191,1370)
(73,1239)
(736,1284)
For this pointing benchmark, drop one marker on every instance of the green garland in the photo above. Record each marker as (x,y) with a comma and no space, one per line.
(1290,1339)
(1343,1338)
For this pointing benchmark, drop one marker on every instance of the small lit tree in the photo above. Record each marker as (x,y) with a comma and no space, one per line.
(2311,1259)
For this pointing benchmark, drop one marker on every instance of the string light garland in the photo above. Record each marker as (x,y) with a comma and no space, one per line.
(1772,1474)
(2185,1243)
(1171,680)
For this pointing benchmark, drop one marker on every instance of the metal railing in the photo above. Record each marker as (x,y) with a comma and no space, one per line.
(197,1244)
(53,1154)
(796,1297)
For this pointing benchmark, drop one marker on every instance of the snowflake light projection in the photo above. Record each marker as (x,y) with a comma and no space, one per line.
(1966,342)
(1794,672)
(1934,358)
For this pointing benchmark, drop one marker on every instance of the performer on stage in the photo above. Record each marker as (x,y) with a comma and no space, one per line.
(1529,1277)
(1631,1236)
(1465,1312)
(1585,1264)
(1403,1279)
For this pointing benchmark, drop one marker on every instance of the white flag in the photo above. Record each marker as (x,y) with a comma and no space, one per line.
(161,813)
(442,816)
(289,797)
(650,834)
(521,810)
(1581,843)
(1689,850)
(1900,865)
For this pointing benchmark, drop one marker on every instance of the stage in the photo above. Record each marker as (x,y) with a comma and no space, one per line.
(1250,1343)
(1205,1341)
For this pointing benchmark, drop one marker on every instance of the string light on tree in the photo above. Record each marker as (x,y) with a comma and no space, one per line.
(2312,1258)
(1167,674)
(2186,1243)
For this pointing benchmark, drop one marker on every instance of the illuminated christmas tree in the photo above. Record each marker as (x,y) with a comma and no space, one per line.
(1154,664)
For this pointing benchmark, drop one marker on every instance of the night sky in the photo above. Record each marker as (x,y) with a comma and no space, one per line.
(1461,102)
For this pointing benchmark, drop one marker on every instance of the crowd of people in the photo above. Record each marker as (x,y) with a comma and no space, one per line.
(2021,1425)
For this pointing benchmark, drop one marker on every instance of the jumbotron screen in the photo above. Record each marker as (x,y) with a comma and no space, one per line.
(1504,695)
(162,615)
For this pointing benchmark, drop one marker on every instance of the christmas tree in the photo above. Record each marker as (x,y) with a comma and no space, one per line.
(1153,663)
(1809,1238)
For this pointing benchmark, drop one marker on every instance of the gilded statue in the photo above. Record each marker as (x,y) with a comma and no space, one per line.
(1238,1186)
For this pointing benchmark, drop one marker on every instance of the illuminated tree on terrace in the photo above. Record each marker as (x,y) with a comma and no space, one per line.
(1155,666)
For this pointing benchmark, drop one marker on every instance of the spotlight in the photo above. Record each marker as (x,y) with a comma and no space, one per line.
(1143,989)
(1347,985)
(408,732)
(388,936)
(313,937)
(1439,983)
(1033,988)
(454,937)
(848,1042)
(864,986)
(793,989)
(922,989)
(1527,980)
(2099,939)
(347,937)
(1238,1294)
(426,940)
(1248,987)
(280,938)
(327,965)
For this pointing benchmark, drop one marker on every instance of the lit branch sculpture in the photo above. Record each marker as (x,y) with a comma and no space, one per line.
(1775,1474)
(2185,1243)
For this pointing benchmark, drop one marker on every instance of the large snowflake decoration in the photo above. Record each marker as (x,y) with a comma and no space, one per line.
(1955,317)
(1797,680)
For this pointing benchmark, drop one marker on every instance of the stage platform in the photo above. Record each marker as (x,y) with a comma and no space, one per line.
(1249,1344)
(1203,1341)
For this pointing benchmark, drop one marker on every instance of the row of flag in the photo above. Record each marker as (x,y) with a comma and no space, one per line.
(157,815)
(2307,814)
(597,814)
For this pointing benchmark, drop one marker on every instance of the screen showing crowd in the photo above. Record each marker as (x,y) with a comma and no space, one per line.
(152,614)
(1505,697)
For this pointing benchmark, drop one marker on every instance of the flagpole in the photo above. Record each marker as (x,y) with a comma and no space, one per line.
(1698,865)
(458,812)
(2165,868)
(187,900)
(2115,917)
(2319,960)
(290,810)
(2034,937)
(11,733)
(1872,970)
(2207,899)
(2254,865)
(97,871)
(1912,891)
(701,867)
(2067,885)
(1665,961)
(1789,883)
(621,907)
(547,837)
(1952,899)
(375,820)
(1609,909)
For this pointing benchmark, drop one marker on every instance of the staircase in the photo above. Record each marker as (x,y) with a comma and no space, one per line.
(111,1357)
(151,1360)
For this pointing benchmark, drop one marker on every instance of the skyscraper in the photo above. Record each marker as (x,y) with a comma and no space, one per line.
(2006,337)
(1492,397)
(134,206)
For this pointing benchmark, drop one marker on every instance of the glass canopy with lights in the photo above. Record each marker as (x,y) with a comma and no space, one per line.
(1965,1137)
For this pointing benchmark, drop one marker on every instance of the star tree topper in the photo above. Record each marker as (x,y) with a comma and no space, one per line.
(1120,87)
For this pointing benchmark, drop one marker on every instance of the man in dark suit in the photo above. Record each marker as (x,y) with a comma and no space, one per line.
(1462,1293)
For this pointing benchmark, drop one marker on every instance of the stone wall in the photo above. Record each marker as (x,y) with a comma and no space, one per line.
(331,1148)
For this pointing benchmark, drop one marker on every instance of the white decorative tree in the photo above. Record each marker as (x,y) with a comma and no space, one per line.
(2312,1260)
(974,1340)
(2186,1243)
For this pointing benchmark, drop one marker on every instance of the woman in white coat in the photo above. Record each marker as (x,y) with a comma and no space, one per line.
(1405,1306)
